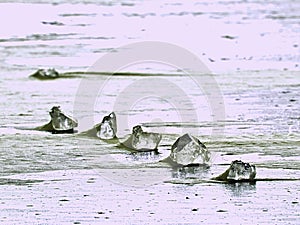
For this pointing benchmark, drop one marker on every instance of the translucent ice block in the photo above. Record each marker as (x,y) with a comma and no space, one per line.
(188,150)
(239,170)
(46,74)
(107,129)
(142,141)
(60,121)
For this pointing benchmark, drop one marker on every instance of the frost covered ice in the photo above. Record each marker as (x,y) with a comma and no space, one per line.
(188,150)
(238,171)
(107,129)
(60,121)
(142,141)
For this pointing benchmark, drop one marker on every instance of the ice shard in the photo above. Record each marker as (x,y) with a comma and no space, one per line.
(61,122)
(189,150)
(107,129)
(46,74)
(238,171)
(142,141)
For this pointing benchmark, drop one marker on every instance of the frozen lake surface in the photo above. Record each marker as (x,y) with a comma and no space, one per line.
(246,108)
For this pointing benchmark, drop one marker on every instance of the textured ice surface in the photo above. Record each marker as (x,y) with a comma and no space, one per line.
(188,149)
(142,141)
(60,121)
(239,170)
(107,129)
